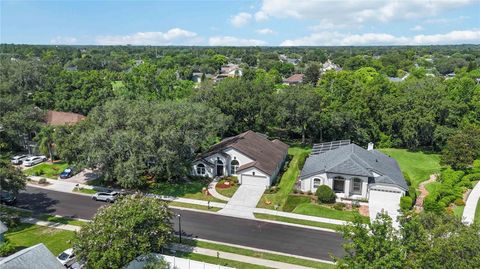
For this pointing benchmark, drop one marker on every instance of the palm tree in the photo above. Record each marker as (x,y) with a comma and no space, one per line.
(45,141)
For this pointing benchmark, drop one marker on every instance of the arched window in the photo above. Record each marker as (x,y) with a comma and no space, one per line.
(234,166)
(316,183)
(338,184)
(201,169)
(357,186)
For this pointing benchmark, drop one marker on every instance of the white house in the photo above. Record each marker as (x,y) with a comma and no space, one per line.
(329,65)
(352,172)
(231,70)
(250,156)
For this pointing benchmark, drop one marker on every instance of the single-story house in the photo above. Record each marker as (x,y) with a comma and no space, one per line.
(329,65)
(250,156)
(352,172)
(294,79)
(56,118)
(34,257)
(231,70)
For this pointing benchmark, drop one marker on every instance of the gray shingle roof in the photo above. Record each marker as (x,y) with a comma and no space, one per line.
(354,160)
(35,257)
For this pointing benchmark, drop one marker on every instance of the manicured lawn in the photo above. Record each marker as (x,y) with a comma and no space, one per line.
(27,235)
(227,192)
(192,190)
(47,170)
(477,214)
(325,212)
(194,206)
(63,220)
(287,181)
(257,254)
(297,221)
(84,190)
(418,165)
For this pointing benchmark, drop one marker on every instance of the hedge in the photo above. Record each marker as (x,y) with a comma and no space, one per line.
(406,203)
(325,194)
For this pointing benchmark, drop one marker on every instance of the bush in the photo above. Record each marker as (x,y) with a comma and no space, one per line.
(459,202)
(42,181)
(407,178)
(451,177)
(412,193)
(431,205)
(325,194)
(293,201)
(472,177)
(339,206)
(6,249)
(11,220)
(406,203)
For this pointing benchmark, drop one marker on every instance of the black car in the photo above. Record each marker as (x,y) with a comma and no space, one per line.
(8,198)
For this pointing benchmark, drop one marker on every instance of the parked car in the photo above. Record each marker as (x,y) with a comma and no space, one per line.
(7,197)
(19,159)
(67,173)
(67,257)
(108,197)
(31,161)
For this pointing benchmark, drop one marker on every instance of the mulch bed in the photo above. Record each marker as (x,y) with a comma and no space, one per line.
(224,185)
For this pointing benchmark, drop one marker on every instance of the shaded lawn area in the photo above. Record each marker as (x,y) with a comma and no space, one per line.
(192,190)
(326,212)
(47,170)
(287,181)
(227,192)
(418,165)
(63,220)
(12,210)
(27,235)
(298,221)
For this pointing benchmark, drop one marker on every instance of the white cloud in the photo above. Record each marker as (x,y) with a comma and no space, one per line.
(344,39)
(261,16)
(240,19)
(175,36)
(417,28)
(265,31)
(234,41)
(63,40)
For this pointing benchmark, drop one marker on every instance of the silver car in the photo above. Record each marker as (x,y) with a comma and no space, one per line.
(19,159)
(31,161)
(108,197)
(67,257)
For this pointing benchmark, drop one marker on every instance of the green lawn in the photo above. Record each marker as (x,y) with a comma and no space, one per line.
(27,235)
(194,206)
(418,165)
(17,211)
(287,181)
(84,190)
(458,211)
(297,221)
(192,190)
(477,214)
(325,212)
(63,220)
(227,192)
(47,170)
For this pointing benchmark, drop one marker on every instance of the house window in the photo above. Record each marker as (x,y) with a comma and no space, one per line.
(316,183)
(338,184)
(357,186)
(234,166)
(201,169)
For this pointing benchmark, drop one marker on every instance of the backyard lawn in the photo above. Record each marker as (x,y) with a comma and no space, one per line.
(287,181)
(47,169)
(192,190)
(326,212)
(27,235)
(418,165)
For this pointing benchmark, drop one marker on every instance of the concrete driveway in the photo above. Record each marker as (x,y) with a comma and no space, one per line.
(388,202)
(244,201)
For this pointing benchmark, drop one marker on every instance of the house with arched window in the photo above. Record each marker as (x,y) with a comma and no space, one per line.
(250,156)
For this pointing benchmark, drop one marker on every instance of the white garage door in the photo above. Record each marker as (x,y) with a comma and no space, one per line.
(255,180)
(386,200)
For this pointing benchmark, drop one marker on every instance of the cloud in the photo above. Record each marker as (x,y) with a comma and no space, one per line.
(240,19)
(234,41)
(261,16)
(63,40)
(265,31)
(175,36)
(417,28)
(344,39)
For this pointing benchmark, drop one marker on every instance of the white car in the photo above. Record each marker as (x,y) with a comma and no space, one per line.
(19,159)
(67,257)
(108,197)
(31,161)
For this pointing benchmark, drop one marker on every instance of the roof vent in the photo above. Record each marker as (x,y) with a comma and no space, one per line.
(370,146)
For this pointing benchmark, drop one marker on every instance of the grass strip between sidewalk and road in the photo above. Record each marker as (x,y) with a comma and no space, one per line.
(62,220)
(257,254)
(194,206)
(85,190)
(298,221)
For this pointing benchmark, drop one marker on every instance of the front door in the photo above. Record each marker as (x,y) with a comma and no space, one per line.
(219,168)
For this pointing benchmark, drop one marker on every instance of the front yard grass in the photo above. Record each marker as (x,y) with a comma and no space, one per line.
(227,192)
(298,221)
(192,190)
(27,235)
(47,169)
(287,181)
(418,165)
(326,212)
(62,220)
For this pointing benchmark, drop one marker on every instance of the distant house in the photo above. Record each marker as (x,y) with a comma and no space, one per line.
(294,79)
(250,156)
(35,257)
(231,70)
(329,65)
(396,79)
(56,118)
(284,59)
(197,77)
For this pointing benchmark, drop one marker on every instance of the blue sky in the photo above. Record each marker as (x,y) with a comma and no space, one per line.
(241,23)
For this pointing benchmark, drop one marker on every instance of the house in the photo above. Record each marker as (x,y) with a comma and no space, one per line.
(396,79)
(329,65)
(56,118)
(294,79)
(231,70)
(352,172)
(285,59)
(34,257)
(3,230)
(250,156)
(197,77)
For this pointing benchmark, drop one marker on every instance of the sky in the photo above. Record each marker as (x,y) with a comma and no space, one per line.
(241,23)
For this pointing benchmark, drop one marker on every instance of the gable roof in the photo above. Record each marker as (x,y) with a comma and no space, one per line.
(62,118)
(266,154)
(296,78)
(35,257)
(354,160)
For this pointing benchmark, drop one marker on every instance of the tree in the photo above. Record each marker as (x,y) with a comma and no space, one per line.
(133,226)
(312,74)
(45,140)
(11,178)
(462,148)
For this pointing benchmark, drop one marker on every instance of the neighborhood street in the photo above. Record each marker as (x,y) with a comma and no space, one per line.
(251,233)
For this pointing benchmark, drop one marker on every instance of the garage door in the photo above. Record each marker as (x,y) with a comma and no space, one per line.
(386,200)
(255,180)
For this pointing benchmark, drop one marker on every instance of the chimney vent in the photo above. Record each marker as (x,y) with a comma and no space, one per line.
(370,146)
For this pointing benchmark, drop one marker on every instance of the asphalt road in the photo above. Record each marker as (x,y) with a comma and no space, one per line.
(251,233)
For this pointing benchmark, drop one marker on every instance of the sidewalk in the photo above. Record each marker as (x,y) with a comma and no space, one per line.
(471,205)
(50,224)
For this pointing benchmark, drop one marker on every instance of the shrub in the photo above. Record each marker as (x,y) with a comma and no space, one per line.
(11,220)
(6,249)
(325,194)
(406,203)
(407,178)
(459,202)
(412,193)
(431,205)
(339,206)
(293,201)
(472,177)
(302,158)
(42,181)
(451,177)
